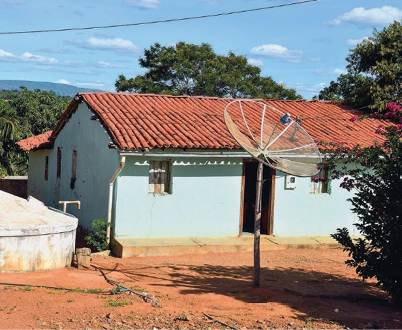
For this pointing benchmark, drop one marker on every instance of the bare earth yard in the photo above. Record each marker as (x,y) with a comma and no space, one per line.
(299,288)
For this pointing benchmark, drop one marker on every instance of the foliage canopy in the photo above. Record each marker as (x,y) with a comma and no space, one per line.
(23,114)
(374,75)
(187,69)
(377,183)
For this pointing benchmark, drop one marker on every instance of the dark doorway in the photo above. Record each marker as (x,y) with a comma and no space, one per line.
(250,174)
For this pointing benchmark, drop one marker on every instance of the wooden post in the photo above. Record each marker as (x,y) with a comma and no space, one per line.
(83,258)
(257,224)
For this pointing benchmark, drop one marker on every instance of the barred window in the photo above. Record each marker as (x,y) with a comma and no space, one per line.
(320,182)
(159,177)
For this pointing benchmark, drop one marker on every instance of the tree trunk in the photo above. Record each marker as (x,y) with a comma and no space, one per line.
(257,224)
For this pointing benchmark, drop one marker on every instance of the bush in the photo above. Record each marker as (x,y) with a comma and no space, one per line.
(98,238)
(377,181)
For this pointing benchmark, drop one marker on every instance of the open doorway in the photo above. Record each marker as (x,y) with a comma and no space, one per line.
(250,177)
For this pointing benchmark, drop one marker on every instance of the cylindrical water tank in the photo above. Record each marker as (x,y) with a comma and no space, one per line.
(34,237)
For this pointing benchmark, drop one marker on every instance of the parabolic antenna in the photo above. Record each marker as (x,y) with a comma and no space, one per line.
(272,137)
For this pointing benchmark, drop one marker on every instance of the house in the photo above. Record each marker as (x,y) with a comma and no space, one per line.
(160,166)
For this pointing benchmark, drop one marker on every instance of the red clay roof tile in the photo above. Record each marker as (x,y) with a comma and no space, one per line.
(41,141)
(140,121)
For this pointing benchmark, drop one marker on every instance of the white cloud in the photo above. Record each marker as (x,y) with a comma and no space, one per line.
(340,71)
(326,73)
(63,81)
(254,62)
(371,17)
(314,59)
(73,64)
(112,44)
(26,58)
(354,42)
(147,4)
(55,51)
(91,85)
(306,89)
(102,64)
(279,52)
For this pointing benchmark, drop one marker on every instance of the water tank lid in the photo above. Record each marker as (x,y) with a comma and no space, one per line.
(30,217)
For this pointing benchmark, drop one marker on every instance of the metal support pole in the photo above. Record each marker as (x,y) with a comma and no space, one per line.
(257,224)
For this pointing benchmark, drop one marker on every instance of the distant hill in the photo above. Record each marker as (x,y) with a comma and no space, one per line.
(59,89)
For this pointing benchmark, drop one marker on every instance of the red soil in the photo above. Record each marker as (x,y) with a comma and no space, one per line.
(299,288)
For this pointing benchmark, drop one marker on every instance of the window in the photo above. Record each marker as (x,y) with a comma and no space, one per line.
(74,170)
(320,182)
(47,168)
(58,162)
(159,177)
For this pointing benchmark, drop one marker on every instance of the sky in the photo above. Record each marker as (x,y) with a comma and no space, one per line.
(303,46)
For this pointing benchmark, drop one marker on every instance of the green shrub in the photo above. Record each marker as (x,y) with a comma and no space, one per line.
(377,183)
(98,237)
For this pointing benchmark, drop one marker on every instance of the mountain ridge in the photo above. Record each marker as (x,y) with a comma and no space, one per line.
(58,88)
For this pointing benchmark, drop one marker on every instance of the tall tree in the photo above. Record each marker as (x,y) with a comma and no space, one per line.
(187,69)
(25,113)
(374,71)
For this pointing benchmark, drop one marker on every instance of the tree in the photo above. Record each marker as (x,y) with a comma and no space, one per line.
(25,113)
(354,89)
(374,71)
(377,182)
(187,69)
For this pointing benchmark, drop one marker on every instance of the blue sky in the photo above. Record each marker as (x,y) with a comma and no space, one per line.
(302,46)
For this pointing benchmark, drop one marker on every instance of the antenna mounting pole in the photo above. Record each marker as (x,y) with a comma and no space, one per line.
(257,224)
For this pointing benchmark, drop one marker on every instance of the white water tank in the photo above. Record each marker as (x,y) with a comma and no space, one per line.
(34,237)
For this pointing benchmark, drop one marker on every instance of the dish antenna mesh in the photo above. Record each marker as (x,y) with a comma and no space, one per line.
(272,137)
(276,140)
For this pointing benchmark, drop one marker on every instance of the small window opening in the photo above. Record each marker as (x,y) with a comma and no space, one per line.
(320,182)
(47,168)
(159,177)
(74,170)
(58,162)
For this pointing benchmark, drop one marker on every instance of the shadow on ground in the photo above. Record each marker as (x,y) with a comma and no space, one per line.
(311,294)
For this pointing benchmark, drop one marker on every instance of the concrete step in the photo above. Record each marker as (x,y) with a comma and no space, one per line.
(142,247)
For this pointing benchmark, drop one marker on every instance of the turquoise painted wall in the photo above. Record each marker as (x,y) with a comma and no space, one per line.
(204,202)
(96,164)
(205,198)
(301,213)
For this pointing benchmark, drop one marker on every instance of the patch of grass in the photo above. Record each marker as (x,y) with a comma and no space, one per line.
(137,288)
(116,303)
(26,288)
(78,290)
(70,300)
(117,289)
(94,290)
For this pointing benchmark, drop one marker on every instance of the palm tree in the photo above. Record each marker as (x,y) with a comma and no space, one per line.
(7,127)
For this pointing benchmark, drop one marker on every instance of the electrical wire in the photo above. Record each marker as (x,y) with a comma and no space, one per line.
(158,21)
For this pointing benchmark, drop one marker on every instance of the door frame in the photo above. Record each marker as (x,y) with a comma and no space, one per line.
(271,200)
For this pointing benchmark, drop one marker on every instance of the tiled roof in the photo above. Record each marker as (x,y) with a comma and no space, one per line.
(41,141)
(144,121)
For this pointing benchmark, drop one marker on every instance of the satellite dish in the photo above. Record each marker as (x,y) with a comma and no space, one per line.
(276,140)
(272,137)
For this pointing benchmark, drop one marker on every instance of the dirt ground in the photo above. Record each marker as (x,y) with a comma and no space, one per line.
(299,289)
